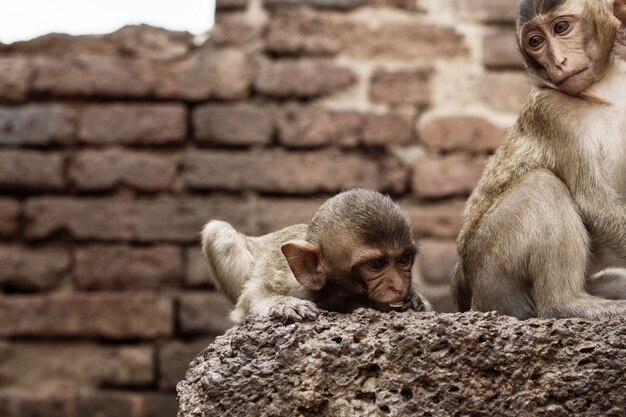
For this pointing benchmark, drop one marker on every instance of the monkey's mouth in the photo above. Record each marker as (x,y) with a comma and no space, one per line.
(570,76)
(398,304)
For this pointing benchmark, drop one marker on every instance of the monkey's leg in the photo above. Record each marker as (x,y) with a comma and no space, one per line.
(609,283)
(228,256)
(533,256)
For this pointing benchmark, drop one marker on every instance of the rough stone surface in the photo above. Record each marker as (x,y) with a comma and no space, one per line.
(373,364)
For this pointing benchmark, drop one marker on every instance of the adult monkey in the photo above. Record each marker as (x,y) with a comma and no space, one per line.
(553,194)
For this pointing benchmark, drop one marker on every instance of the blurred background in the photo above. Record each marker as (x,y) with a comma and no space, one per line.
(116,149)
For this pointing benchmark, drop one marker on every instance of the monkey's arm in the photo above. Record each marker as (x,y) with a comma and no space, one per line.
(259,299)
(604,213)
(416,301)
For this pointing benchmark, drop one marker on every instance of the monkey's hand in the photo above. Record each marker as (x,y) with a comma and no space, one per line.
(291,309)
(416,302)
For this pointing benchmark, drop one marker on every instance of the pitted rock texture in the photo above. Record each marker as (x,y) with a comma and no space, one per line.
(410,364)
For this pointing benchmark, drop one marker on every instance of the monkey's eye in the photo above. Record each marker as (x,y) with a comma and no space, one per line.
(378,264)
(561,26)
(535,41)
(405,259)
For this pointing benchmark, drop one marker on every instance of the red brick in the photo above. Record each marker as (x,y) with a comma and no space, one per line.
(92,75)
(37,124)
(207,73)
(449,175)
(276,213)
(500,49)
(32,269)
(174,359)
(31,170)
(305,127)
(402,87)
(29,366)
(10,211)
(441,220)
(221,5)
(348,4)
(504,91)
(330,4)
(197,272)
(157,404)
(302,78)
(234,125)
(388,129)
(234,30)
(104,315)
(301,32)
(395,176)
(146,220)
(488,10)
(279,171)
(7,406)
(204,313)
(103,170)
(469,133)
(437,260)
(130,41)
(152,124)
(146,41)
(15,81)
(114,267)
(42,405)
(105,404)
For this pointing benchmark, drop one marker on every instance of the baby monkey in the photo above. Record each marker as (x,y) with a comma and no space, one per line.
(357,251)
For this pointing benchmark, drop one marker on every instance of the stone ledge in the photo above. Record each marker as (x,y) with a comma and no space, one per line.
(374,364)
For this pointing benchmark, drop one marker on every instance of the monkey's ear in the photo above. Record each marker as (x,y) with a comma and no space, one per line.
(619,10)
(303,259)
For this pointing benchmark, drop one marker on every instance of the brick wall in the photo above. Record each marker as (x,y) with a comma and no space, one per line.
(115,150)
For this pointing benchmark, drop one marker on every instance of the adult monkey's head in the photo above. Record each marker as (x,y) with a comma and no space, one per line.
(568,44)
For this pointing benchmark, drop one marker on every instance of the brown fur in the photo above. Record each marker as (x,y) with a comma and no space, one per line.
(551,194)
(292,273)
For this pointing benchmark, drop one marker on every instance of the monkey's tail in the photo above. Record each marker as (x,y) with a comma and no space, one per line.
(461,292)
(230,261)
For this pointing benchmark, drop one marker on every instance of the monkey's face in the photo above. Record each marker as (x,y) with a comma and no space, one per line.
(566,48)
(384,276)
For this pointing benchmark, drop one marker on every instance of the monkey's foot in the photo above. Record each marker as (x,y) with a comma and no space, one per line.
(294,309)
